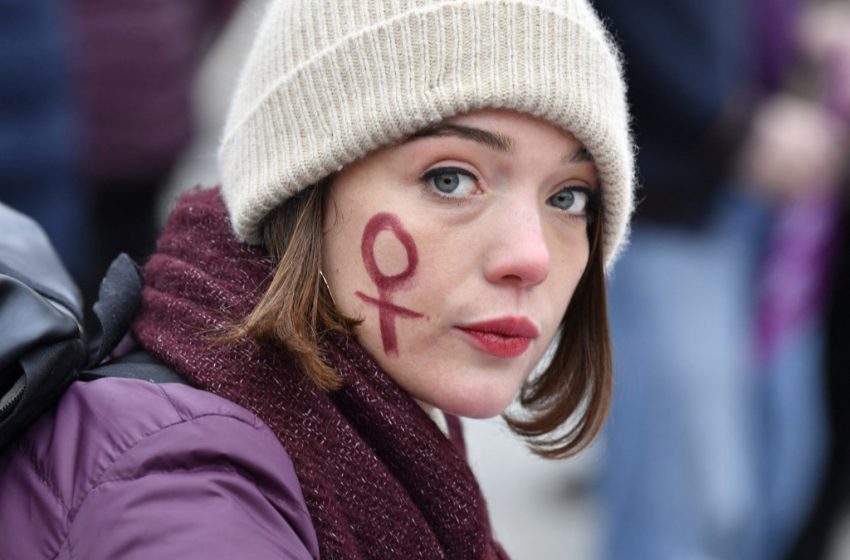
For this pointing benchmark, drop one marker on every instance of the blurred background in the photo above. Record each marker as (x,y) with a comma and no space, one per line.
(729,436)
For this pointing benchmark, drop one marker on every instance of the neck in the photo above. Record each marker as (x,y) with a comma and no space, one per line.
(436,415)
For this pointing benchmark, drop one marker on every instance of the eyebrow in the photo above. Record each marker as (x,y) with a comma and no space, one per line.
(492,140)
(581,155)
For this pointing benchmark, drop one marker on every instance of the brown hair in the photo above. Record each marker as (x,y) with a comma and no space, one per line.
(297,309)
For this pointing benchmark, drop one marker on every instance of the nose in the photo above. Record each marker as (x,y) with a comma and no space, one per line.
(519,255)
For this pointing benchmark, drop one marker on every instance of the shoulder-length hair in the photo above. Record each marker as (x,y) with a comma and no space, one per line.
(563,406)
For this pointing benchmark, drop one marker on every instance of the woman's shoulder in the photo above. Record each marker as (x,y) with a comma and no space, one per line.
(113,440)
(98,425)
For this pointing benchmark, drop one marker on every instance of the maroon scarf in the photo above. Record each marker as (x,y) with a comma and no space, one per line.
(379,478)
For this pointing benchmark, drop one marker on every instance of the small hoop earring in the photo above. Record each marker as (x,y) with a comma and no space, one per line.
(327,286)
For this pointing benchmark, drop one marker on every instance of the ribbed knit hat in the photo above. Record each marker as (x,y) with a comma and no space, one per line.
(328,81)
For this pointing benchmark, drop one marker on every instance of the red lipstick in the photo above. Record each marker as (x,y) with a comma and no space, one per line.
(507,337)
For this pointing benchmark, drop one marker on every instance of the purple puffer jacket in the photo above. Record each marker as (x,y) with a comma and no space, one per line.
(129,469)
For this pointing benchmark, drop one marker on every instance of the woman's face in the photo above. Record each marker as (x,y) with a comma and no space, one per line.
(460,249)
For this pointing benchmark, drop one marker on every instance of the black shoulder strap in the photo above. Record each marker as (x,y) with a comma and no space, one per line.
(118,302)
(136,365)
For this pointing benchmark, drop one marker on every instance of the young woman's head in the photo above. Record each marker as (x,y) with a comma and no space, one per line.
(446,181)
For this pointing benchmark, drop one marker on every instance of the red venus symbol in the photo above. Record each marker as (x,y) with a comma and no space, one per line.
(388,311)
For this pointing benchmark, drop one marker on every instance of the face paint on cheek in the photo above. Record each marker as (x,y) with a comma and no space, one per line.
(387,285)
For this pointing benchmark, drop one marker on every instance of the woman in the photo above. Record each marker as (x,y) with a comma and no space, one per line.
(413,194)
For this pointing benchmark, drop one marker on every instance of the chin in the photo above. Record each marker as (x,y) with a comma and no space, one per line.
(478,404)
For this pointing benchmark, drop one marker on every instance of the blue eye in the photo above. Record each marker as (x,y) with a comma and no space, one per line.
(451,182)
(573,200)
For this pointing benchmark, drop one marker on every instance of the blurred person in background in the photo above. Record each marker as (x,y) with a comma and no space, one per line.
(793,286)
(826,37)
(37,124)
(134,63)
(698,461)
(96,109)
(821,535)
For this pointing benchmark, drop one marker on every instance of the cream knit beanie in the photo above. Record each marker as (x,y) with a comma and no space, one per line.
(328,81)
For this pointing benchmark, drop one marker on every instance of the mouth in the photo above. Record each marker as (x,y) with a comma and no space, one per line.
(507,337)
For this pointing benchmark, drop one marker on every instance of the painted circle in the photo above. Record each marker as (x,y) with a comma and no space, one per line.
(387,222)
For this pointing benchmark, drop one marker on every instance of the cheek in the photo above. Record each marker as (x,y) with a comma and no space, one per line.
(567,271)
(573,251)
(391,271)
(391,256)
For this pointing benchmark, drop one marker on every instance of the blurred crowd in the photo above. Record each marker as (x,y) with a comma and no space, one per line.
(728,437)
(95,110)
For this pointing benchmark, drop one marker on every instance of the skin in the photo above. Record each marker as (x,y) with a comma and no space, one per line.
(497,243)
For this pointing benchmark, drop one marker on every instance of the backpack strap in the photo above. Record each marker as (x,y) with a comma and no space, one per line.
(118,302)
(139,364)
(119,299)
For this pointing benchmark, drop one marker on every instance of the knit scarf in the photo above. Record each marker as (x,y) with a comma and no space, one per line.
(379,479)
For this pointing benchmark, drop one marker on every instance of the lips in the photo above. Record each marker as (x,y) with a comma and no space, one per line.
(507,337)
